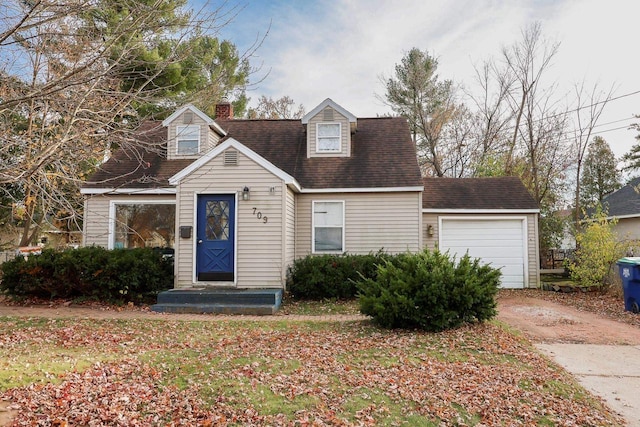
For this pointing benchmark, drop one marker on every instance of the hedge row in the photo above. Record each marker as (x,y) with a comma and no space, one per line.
(113,276)
(331,276)
(427,290)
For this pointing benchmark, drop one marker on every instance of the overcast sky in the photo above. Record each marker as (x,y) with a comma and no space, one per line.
(339,49)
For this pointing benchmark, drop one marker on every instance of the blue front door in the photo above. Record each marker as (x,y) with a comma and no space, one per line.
(215,237)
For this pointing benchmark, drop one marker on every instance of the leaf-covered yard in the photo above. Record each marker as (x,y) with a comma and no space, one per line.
(167,372)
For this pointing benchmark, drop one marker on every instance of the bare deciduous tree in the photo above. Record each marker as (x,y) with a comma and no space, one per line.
(589,108)
(72,76)
(493,117)
(281,108)
(525,63)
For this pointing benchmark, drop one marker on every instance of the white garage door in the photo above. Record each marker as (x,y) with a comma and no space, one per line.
(499,242)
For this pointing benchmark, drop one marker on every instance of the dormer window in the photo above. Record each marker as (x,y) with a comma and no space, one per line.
(328,138)
(188,139)
(329,129)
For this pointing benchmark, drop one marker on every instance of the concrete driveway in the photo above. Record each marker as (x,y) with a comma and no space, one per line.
(602,354)
(609,371)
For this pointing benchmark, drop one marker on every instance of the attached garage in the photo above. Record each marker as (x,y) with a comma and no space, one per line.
(498,241)
(494,219)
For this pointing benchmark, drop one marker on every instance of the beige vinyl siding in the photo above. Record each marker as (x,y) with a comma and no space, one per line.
(259,247)
(345,134)
(290,228)
(373,221)
(205,140)
(627,229)
(212,140)
(96,215)
(533,247)
(96,221)
(533,279)
(430,242)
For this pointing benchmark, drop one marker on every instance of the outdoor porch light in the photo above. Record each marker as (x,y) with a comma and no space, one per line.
(430,230)
(245,193)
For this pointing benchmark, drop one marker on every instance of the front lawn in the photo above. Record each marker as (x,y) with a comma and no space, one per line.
(159,372)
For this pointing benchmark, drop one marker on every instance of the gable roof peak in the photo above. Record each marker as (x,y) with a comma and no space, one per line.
(233,143)
(328,103)
(195,110)
(184,108)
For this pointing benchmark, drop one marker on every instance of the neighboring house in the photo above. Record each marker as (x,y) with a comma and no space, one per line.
(495,219)
(624,206)
(240,200)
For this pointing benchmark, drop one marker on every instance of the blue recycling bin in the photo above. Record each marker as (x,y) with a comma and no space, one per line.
(629,269)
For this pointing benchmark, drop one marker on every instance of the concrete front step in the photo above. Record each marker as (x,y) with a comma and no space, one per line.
(224,301)
(252,310)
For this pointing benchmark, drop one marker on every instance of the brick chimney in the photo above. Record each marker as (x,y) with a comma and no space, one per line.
(224,110)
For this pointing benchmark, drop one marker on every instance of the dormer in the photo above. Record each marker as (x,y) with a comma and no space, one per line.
(329,130)
(191,133)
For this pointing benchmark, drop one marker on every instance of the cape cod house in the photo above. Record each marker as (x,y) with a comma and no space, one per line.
(239,200)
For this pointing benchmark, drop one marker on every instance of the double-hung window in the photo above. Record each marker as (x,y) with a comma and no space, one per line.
(328,138)
(188,139)
(328,227)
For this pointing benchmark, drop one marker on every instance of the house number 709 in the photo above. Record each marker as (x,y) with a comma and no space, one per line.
(259,215)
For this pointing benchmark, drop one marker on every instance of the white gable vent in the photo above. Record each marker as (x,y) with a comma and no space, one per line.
(187,117)
(327,115)
(231,158)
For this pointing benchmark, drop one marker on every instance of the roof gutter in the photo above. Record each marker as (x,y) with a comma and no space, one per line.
(150,191)
(482,211)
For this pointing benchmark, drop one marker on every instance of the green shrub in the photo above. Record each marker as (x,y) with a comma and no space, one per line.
(114,276)
(597,249)
(318,277)
(429,291)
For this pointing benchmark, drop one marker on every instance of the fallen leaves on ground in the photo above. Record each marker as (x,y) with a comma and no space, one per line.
(608,304)
(242,373)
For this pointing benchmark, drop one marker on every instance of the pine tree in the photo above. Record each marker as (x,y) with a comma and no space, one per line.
(600,175)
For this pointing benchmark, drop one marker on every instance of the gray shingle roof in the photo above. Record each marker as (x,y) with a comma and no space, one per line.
(383,155)
(477,193)
(625,201)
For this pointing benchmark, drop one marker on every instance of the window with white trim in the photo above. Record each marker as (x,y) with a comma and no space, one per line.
(143,225)
(328,227)
(328,138)
(188,139)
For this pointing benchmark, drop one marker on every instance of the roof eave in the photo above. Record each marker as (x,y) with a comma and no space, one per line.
(124,190)
(481,211)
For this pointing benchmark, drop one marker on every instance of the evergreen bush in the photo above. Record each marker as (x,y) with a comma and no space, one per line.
(113,276)
(429,291)
(318,277)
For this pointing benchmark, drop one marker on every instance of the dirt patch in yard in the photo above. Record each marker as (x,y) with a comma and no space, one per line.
(543,320)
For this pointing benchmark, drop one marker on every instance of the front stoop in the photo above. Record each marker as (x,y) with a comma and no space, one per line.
(221,301)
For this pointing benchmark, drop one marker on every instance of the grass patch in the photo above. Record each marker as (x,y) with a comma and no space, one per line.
(320,308)
(376,403)
(369,357)
(465,418)
(567,390)
(22,370)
